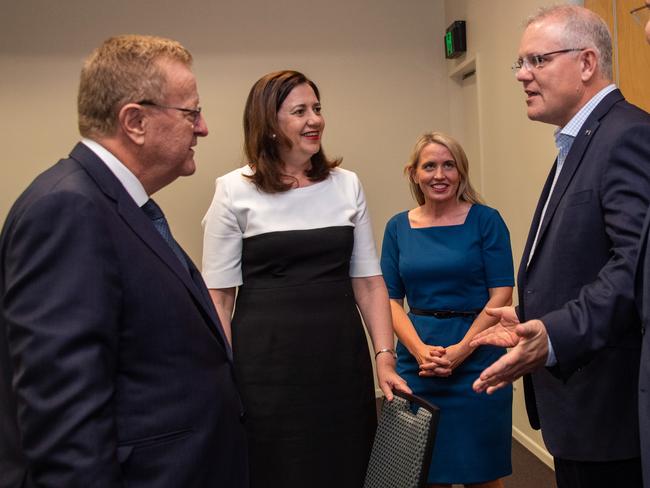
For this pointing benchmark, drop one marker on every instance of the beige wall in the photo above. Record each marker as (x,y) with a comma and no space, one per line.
(377,63)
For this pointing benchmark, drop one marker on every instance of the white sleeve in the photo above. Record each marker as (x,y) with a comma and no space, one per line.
(222,241)
(364,261)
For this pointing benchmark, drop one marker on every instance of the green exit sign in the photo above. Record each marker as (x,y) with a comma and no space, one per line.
(455,41)
(449,44)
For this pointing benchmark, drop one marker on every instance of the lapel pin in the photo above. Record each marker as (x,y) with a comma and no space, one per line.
(588,132)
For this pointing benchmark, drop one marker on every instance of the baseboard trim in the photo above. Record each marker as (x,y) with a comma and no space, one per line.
(538,451)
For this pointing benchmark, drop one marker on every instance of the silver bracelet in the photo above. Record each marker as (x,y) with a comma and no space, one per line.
(391,351)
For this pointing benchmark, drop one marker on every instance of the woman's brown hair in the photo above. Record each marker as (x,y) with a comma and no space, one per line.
(263,136)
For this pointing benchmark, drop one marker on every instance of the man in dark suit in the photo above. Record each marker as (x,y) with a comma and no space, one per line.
(643,300)
(114,369)
(575,280)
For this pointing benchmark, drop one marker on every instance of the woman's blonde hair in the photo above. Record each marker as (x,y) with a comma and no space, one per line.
(465,192)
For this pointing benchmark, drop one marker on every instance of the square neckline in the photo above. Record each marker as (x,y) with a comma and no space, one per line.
(408,221)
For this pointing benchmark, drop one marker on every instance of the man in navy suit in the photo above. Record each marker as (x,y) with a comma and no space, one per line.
(643,299)
(575,280)
(114,368)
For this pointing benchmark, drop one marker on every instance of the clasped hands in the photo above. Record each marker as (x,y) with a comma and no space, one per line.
(441,361)
(529,349)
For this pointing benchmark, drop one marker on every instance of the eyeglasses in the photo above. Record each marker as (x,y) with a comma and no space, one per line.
(538,61)
(194,113)
(641,14)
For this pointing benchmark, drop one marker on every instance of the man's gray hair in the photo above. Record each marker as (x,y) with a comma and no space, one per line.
(582,28)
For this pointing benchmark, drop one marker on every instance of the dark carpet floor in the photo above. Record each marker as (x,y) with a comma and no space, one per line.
(528,471)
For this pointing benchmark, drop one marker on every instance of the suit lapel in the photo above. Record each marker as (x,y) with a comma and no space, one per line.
(141,225)
(202,289)
(534,225)
(571,164)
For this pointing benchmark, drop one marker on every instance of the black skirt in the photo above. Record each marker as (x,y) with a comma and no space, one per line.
(302,361)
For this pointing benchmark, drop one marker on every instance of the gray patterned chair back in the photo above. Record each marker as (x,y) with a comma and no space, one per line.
(401,453)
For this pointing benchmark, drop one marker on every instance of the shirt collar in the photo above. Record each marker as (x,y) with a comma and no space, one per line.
(128,180)
(573,126)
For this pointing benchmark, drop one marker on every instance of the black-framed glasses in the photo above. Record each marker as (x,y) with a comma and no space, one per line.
(538,61)
(641,14)
(194,113)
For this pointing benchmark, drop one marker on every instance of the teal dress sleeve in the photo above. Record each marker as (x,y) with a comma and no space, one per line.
(496,251)
(390,260)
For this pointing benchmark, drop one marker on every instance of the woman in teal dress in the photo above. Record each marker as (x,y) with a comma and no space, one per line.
(450,257)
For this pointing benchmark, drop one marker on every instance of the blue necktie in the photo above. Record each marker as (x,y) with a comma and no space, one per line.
(153,211)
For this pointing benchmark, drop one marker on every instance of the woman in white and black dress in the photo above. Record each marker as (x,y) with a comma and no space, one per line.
(291,233)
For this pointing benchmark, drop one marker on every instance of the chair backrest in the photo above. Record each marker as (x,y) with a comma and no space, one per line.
(401,453)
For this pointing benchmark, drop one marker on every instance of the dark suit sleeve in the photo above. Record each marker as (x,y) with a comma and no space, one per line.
(605,310)
(641,280)
(62,306)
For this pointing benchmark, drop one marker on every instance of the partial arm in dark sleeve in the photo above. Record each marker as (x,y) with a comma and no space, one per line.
(61,307)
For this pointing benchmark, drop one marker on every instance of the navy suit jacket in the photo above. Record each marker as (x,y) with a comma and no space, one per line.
(579,282)
(114,370)
(643,302)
